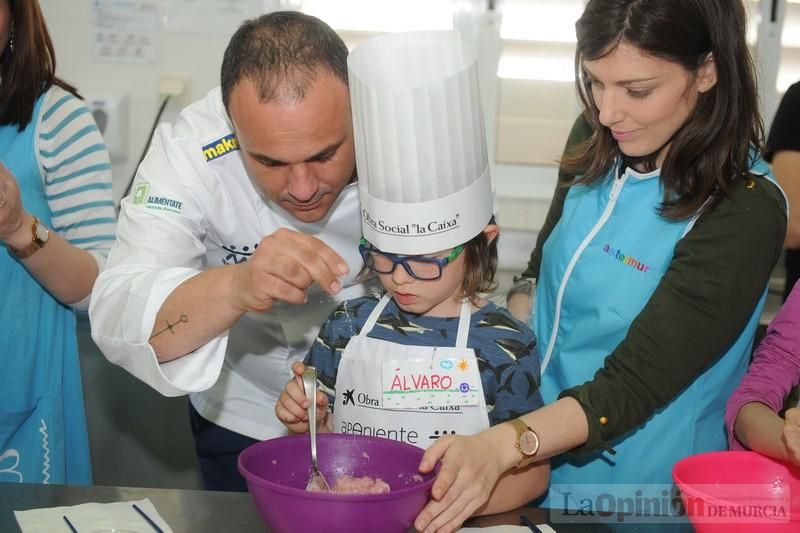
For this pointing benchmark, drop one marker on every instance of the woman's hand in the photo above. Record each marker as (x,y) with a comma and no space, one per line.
(291,408)
(11,213)
(465,481)
(791,434)
(471,466)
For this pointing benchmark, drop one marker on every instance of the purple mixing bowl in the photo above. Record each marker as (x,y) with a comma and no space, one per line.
(277,471)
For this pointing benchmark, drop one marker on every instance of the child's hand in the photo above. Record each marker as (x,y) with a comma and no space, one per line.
(791,434)
(292,405)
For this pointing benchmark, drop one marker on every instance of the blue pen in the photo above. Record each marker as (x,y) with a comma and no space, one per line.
(71,527)
(149,520)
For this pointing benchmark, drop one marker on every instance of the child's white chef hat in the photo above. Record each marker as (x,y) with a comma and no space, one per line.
(423,169)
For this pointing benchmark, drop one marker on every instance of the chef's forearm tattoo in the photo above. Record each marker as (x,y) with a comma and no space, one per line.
(171,326)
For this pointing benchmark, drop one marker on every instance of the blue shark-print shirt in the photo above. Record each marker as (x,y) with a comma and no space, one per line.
(505,348)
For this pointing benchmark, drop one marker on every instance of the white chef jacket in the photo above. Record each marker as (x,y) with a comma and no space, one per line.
(192,208)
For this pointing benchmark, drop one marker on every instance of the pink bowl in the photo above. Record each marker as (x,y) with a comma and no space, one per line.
(739,491)
(277,471)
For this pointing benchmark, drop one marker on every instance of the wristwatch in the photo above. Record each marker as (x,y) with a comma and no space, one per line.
(39,236)
(527,442)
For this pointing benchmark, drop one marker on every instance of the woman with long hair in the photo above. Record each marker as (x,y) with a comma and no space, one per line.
(651,267)
(56,225)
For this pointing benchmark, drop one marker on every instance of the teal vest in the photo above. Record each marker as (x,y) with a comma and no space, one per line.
(600,266)
(43,435)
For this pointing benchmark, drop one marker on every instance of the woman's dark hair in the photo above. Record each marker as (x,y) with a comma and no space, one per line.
(29,69)
(283,53)
(715,144)
(480,265)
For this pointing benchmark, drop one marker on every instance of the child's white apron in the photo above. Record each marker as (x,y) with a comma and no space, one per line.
(359,403)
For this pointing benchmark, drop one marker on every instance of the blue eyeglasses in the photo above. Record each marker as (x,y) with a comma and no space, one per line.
(417,266)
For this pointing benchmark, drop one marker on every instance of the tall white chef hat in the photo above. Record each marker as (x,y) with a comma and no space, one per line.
(423,169)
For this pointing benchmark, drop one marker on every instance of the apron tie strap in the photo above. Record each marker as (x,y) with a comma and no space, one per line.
(374,315)
(463,324)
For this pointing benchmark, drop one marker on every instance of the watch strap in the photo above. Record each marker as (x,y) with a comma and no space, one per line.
(34,246)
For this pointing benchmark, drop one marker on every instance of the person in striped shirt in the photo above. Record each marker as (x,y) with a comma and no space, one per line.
(57,224)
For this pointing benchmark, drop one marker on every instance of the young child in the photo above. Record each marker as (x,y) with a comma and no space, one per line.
(429,357)
(752,411)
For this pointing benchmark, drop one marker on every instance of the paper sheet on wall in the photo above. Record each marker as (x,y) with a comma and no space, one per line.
(217,16)
(125,31)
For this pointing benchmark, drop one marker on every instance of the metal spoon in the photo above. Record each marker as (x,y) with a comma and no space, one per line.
(317,483)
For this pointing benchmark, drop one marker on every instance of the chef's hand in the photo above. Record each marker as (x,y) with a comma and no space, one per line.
(283,266)
(464,483)
(11,213)
(791,434)
(292,405)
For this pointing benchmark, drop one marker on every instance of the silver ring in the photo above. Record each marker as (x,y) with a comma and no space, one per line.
(4,201)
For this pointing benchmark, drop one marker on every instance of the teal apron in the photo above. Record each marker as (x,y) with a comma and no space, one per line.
(43,435)
(600,267)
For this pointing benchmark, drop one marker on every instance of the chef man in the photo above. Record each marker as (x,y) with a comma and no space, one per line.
(239,236)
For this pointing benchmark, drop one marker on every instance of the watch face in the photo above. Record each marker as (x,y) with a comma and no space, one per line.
(528,443)
(42,233)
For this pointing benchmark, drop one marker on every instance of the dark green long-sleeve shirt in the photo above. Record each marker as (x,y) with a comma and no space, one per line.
(717,275)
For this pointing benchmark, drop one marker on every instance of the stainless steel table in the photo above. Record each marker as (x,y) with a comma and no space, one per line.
(192,511)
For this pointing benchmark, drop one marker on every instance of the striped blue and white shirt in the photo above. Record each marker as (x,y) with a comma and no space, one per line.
(75,166)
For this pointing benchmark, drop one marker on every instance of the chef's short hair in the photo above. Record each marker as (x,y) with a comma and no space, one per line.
(283,53)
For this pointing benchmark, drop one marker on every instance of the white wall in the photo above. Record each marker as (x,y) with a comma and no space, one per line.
(195,57)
